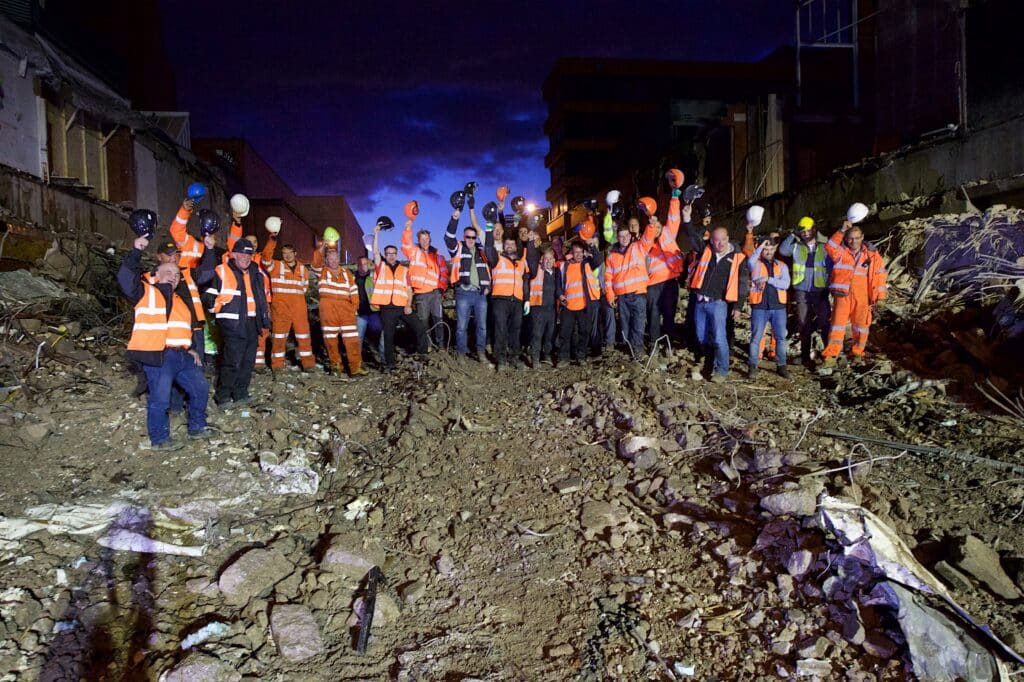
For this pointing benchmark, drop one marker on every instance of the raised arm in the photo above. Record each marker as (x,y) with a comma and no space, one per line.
(377,260)
(450,240)
(129,275)
(489,251)
(407,246)
(268,250)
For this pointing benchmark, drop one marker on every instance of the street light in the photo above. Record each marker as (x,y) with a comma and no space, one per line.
(530,208)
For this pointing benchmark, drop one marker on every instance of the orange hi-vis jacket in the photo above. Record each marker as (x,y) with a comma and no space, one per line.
(154,329)
(665,260)
(732,289)
(428,270)
(862,275)
(537,288)
(573,275)
(625,272)
(186,276)
(285,283)
(507,277)
(759,279)
(391,287)
(229,291)
(190,249)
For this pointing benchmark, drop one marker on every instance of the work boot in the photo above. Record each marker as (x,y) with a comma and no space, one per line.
(168,445)
(752,372)
(514,363)
(782,371)
(717,378)
(481,356)
(361,372)
(205,434)
(829,363)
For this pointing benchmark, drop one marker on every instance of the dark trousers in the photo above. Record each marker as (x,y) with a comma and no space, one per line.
(662,301)
(633,320)
(689,323)
(238,358)
(428,309)
(574,334)
(542,332)
(508,320)
(389,317)
(813,314)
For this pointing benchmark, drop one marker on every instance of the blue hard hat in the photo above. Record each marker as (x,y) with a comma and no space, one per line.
(143,222)
(196,191)
(209,222)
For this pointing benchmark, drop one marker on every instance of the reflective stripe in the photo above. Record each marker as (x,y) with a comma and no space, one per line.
(305,354)
(302,336)
(281,336)
(277,355)
(228,316)
(862,330)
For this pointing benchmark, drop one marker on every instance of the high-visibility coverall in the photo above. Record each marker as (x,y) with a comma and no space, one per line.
(288,311)
(339,302)
(858,282)
(748,250)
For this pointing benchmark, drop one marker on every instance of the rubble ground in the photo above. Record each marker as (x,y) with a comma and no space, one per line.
(596,522)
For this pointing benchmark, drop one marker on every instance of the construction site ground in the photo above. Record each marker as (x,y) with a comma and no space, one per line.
(525,528)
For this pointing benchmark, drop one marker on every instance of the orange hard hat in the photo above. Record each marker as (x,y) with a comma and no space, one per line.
(502,192)
(647,206)
(412,209)
(587,229)
(675,177)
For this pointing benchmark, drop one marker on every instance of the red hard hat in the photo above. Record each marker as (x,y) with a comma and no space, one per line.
(675,178)
(502,192)
(412,209)
(648,205)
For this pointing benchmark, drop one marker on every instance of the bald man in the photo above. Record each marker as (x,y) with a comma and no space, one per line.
(716,280)
(857,284)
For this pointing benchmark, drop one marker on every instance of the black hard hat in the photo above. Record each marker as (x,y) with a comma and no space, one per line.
(385,222)
(490,212)
(471,187)
(458,199)
(518,203)
(209,222)
(143,222)
(618,210)
(590,205)
(692,193)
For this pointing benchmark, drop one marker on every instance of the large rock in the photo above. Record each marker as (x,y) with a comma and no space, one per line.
(200,668)
(252,575)
(981,561)
(295,632)
(352,556)
(801,501)
(597,515)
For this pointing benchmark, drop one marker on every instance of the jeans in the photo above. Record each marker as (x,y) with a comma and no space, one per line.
(428,309)
(813,314)
(389,316)
(759,319)
(508,320)
(633,320)
(370,323)
(662,301)
(542,331)
(468,301)
(574,334)
(237,362)
(180,369)
(710,320)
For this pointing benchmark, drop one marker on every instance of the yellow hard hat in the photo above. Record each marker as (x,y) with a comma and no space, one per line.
(806,223)
(331,235)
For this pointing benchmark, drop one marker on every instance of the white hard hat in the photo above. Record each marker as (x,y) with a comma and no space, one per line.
(240,205)
(755,214)
(857,212)
(612,197)
(273,224)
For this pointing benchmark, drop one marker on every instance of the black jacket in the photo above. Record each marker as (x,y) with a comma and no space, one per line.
(552,284)
(239,305)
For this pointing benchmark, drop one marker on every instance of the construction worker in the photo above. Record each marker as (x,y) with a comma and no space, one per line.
(769,280)
(289,281)
(367,316)
(339,301)
(811,270)
(166,335)
(191,249)
(747,250)
(580,288)
(545,292)
(428,275)
(626,278)
(665,264)
(716,281)
(508,274)
(237,300)
(857,284)
(393,295)
(471,280)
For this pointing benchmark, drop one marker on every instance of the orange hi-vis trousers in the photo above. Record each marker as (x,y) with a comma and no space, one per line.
(338,320)
(288,313)
(855,311)
(261,348)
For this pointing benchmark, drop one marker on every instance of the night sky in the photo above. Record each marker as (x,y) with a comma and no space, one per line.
(385,102)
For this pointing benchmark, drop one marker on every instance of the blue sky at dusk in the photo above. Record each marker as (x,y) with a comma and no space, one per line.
(386,102)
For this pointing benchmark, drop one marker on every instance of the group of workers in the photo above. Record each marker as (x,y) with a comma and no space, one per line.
(574,296)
